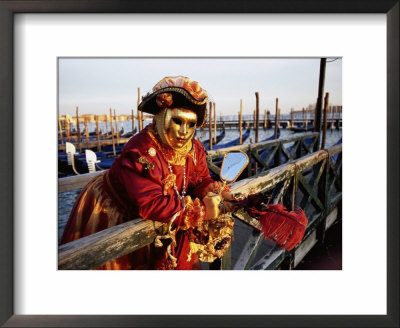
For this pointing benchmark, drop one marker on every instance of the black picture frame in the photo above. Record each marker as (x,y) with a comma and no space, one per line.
(7,11)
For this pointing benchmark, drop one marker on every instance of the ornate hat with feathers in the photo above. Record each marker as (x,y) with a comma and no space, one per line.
(176,91)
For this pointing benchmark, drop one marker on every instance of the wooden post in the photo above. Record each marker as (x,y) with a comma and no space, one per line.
(86,133)
(60,128)
(133,123)
(78,129)
(306,123)
(97,133)
(139,112)
(240,123)
(68,128)
(106,126)
(279,118)
(318,108)
(291,117)
(333,109)
(268,122)
(85,124)
(257,115)
(326,104)
(116,127)
(276,118)
(215,125)
(112,132)
(210,124)
(304,117)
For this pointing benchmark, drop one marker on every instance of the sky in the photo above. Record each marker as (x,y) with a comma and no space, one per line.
(95,85)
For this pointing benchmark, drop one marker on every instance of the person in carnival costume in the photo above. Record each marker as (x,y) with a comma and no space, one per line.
(161,175)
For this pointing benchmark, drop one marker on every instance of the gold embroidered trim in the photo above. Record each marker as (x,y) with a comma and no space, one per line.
(168,183)
(147,165)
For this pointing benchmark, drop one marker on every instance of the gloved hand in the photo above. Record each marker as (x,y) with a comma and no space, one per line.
(229,206)
(212,202)
(227,195)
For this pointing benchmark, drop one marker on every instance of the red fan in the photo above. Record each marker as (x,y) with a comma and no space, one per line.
(277,223)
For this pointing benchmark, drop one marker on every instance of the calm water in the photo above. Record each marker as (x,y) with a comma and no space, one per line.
(326,256)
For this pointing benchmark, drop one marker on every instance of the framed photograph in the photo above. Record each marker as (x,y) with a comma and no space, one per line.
(37,34)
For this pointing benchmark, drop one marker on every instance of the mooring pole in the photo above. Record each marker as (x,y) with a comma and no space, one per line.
(106,136)
(97,133)
(116,127)
(139,113)
(326,104)
(85,123)
(257,115)
(78,128)
(240,123)
(210,124)
(291,117)
(133,123)
(68,128)
(279,118)
(276,118)
(112,132)
(318,108)
(60,128)
(306,123)
(215,125)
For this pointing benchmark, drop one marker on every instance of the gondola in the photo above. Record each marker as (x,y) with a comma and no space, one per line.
(129,134)
(118,149)
(264,154)
(309,127)
(234,142)
(80,164)
(221,136)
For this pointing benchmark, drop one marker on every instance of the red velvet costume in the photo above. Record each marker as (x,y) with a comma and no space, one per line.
(138,185)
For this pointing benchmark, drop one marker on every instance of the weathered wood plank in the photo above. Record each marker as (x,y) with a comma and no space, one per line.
(257,157)
(331,217)
(271,260)
(215,169)
(337,181)
(77,181)
(305,247)
(263,181)
(246,218)
(101,247)
(310,160)
(308,190)
(249,251)
(288,154)
(313,182)
(335,150)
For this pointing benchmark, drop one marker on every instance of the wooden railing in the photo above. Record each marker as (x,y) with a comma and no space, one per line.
(313,182)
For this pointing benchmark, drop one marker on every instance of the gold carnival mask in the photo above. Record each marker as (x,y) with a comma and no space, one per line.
(176,127)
